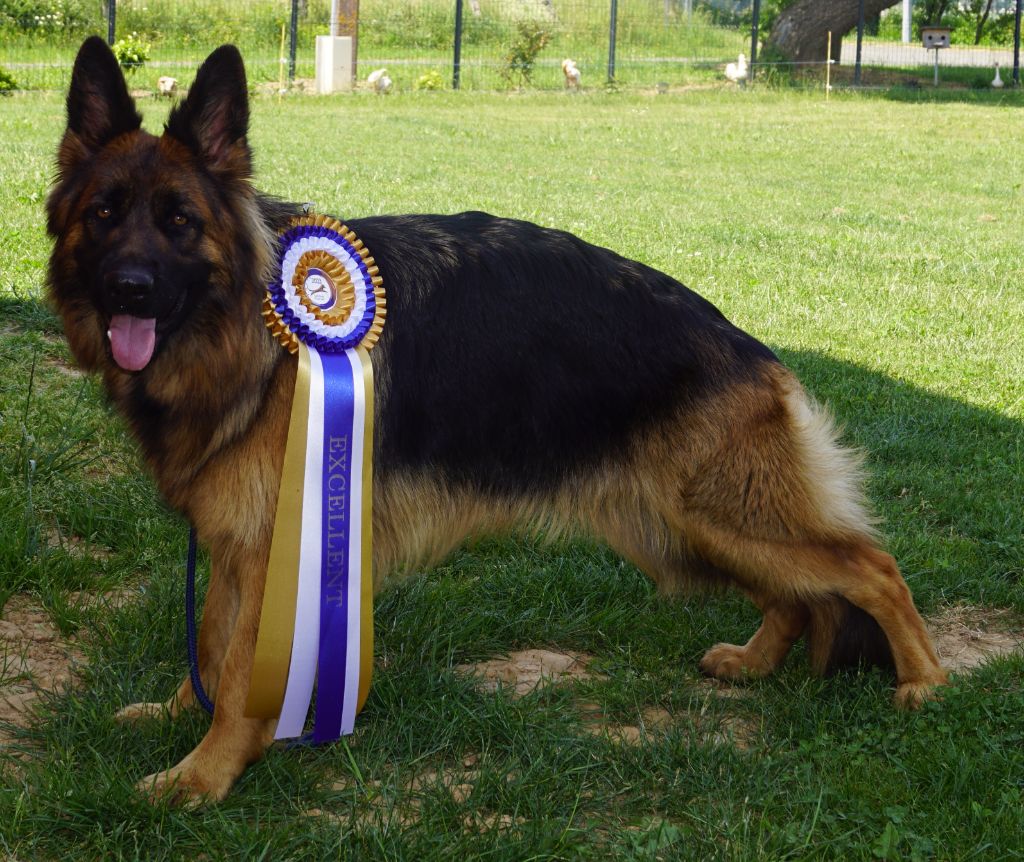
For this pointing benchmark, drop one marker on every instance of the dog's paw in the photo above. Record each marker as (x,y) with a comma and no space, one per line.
(911,695)
(727,661)
(142,712)
(183,786)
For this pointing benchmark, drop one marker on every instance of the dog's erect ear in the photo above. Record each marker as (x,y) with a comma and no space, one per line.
(99,107)
(214,119)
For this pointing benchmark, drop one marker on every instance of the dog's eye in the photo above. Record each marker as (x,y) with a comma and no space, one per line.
(179,219)
(104,212)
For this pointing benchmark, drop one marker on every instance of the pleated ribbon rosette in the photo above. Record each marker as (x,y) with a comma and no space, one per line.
(316,625)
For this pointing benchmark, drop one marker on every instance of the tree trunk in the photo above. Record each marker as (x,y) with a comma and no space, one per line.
(933,12)
(800,33)
(981,23)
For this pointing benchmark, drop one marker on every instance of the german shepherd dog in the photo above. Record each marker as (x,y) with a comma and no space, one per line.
(525,379)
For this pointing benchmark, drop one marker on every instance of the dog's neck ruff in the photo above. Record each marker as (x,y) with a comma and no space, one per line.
(327,306)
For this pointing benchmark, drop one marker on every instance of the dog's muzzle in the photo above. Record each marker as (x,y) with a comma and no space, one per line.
(133,303)
(130,290)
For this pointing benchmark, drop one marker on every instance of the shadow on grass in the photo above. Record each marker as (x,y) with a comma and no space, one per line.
(28,314)
(946,95)
(908,84)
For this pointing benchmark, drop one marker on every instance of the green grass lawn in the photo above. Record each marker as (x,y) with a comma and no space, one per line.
(873,243)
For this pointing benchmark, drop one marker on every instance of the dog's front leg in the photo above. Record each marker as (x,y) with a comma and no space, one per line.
(233,741)
(219,612)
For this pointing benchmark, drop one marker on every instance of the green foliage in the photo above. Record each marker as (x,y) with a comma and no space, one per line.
(741,14)
(962,19)
(531,38)
(192,26)
(42,18)
(7,82)
(431,80)
(132,52)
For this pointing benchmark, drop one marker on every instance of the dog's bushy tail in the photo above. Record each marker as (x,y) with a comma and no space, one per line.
(841,635)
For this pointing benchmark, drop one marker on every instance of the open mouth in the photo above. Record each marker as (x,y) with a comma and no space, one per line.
(132,340)
(133,337)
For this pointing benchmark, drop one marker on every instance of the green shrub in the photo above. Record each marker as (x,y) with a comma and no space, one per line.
(7,82)
(44,17)
(431,80)
(531,38)
(132,52)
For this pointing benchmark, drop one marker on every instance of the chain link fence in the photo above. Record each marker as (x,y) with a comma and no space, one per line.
(495,44)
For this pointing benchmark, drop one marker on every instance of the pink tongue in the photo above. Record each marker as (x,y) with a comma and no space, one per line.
(132,340)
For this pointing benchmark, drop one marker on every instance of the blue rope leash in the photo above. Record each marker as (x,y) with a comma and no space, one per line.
(190,625)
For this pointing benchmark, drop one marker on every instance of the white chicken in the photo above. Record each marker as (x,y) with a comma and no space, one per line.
(572,74)
(379,80)
(737,72)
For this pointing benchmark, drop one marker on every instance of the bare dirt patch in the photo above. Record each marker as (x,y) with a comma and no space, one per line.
(379,804)
(966,636)
(34,658)
(74,546)
(110,600)
(525,670)
(651,720)
(65,367)
(706,727)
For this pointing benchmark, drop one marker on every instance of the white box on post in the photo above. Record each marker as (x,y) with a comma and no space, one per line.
(333,63)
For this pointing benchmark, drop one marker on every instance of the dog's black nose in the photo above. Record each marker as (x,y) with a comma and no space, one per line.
(129,290)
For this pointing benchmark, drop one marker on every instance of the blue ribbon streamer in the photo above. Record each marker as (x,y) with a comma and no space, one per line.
(339,396)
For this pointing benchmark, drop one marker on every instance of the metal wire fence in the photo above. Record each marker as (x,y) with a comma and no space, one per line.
(498,44)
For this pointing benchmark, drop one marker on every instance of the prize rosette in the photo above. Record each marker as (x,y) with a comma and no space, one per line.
(329,294)
(327,306)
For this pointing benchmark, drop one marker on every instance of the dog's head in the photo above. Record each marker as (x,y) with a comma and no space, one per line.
(153,235)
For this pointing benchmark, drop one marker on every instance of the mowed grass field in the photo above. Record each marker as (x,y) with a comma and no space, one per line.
(874,244)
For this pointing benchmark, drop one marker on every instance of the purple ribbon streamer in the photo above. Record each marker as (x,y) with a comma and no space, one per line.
(339,396)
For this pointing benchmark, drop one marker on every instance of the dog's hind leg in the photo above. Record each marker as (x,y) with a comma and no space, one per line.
(624,513)
(782,625)
(818,573)
(871,581)
(776,503)
(632,528)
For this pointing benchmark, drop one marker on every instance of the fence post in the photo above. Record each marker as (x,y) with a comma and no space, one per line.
(612,26)
(1016,45)
(860,42)
(755,20)
(111,19)
(457,58)
(293,40)
(345,22)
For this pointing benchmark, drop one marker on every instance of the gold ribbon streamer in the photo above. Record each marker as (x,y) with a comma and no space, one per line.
(277,621)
